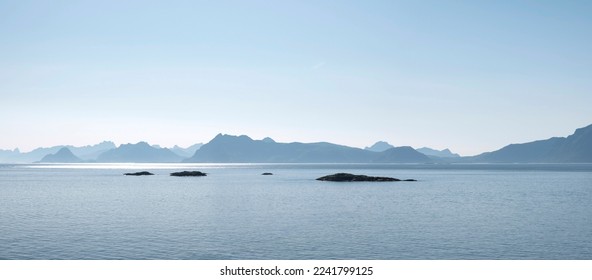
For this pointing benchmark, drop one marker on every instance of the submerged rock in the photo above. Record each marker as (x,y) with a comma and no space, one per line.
(188,173)
(347,177)
(141,173)
(267,173)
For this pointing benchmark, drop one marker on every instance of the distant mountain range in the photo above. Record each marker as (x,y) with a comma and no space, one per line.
(227,148)
(103,152)
(576,148)
(140,152)
(85,153)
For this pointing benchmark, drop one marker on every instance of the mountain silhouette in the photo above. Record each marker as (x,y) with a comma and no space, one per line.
(576,148)
(10,156)
(91,152)
(379,146)
(64,155)
(140,152)
(88,153)
(186,152)
(32,156)
(402,155)
(243,149)
(446,153)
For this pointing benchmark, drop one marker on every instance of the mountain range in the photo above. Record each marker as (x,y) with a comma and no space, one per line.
(379,146)
(85,153)
(576,148)
(94,153)
(140,152)
(228,148)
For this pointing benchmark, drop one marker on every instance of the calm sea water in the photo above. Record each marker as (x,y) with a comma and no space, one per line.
(453,212)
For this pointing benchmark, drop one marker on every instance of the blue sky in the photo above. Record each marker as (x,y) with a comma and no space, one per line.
(471,76)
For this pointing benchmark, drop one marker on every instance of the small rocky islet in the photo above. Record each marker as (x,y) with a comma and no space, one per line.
(347,177)
(141,173)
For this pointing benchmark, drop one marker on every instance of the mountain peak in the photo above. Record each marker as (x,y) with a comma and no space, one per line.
(268,140)
(583,130)
(141,144)
(62,155)
(186,152)
(379,146)
(64,150)
(228,137)
(404,154)
(446,153)
(139,152)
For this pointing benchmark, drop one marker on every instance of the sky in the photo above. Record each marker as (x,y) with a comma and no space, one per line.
(472,76)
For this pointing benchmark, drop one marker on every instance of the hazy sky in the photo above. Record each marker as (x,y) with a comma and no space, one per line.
(471,76)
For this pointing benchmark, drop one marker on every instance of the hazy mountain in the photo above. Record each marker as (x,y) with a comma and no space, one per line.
(379,146)
(446,153)
(91,152)
(227,148)
(140,152)
(402,155)
(9,155)
(86,152)
(186,152)
(576,148)
(268,140)
(63,155)
(35,155)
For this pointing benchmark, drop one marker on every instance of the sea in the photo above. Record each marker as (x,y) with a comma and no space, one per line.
(453,211)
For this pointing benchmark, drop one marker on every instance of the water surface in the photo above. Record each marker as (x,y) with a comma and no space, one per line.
(92,211)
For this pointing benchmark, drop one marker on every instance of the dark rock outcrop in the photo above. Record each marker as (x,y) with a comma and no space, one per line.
(347,177)
(141,173)
(188,174)
(267,173)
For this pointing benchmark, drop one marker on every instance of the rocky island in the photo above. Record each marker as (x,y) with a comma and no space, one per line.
(141,173)
(188,174)
(347,177)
